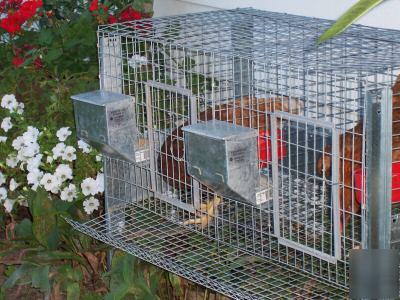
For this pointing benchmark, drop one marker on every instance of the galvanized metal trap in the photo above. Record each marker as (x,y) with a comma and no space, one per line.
(232,145)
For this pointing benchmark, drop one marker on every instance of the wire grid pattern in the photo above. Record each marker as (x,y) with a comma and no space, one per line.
(239,66)
(224,269)
(236,224)
(281,39)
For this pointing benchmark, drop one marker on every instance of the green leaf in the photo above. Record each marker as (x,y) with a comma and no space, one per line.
(9,270)
(44,219)
(71,43)
(54,238)
(70,273)
(19,274)
(350,16)
(143,5)
(23,229)
(176,283)
(2,295)
(45,37)
(141,289)
(127,267)
(73,291)
(53,54)
(48,256)
(118,293)
(40,278)
(91,296)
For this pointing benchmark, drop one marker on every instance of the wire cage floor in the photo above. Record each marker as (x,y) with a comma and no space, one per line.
(191,255)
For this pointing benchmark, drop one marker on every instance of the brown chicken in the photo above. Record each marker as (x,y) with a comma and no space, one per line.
(248,112)
(350,154)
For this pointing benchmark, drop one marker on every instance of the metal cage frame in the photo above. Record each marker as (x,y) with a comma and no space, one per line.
(263,71)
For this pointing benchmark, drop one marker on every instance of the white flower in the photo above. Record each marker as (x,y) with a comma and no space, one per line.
(49,159)
(63,133)
(90,205)
(33,163)
(63,172)
(13,185)
(8,205)
(31,135)
(20,158)
(2,178)
(6,124)
(137,61)
(84,146)
(22,201)
(9,102)
(68,193)
(20,108)
(89,187)
(50,183)
(18,143)
(33,178)
(100,182)
(12,161)
(3,139)
(69,154)
(3,193)
(98,157)
(29,151)
(58,150)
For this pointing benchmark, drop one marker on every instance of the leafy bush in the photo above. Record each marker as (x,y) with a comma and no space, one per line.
(48,52)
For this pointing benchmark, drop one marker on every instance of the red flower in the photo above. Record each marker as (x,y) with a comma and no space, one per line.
(10,25)
(19,14)
(38,64)
(21,56)
(18,61)
(129,14)
(112,19)
(94,5)
(105,8)
(9,5)
(50,13)
(28,9)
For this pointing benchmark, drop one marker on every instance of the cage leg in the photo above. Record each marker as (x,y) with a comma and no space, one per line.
(379,169)
(374,271)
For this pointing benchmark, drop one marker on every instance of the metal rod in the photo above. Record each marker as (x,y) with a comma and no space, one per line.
(275,181)
(148,90)
(107,206)
(379,169)
(193,120)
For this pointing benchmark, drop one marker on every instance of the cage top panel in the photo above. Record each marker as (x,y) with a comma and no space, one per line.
(268,38)
(100,97)
(221,130)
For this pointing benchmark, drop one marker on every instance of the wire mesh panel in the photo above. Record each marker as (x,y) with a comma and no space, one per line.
(247,85)
(305,216)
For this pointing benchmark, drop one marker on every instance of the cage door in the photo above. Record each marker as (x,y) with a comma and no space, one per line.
(306,203)
(168,109)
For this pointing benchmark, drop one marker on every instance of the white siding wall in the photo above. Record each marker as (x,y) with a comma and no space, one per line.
(386,15)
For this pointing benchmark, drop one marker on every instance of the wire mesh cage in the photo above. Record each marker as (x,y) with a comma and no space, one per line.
(245,147)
